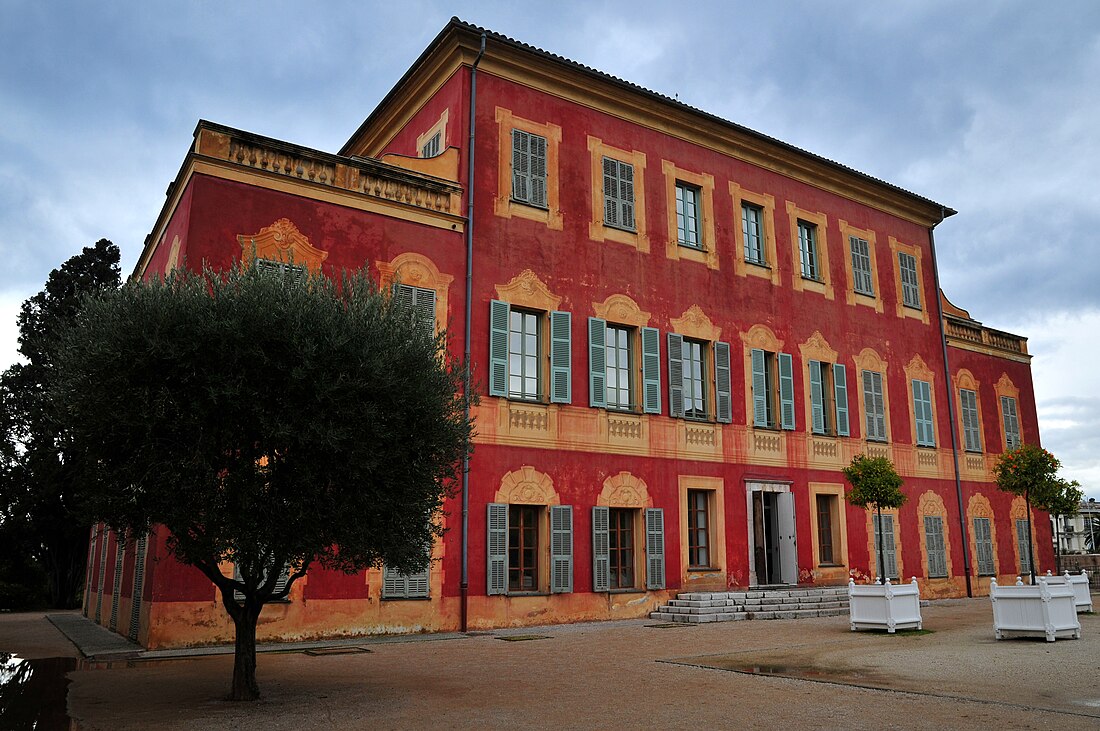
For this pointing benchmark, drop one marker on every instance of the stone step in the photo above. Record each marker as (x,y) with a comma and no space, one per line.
(697,607)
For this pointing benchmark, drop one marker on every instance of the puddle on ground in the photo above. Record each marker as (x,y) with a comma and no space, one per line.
(845,676)
(523,638)
(33,693)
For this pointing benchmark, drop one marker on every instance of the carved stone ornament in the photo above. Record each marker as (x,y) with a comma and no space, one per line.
(917,368)
(817,347)
(281,242)
(527,486)
(931,504)
(621,309)
(1005,387)
(869,360)
(527,290)
(413,269)
(762,337)
(695,324)
(624,490)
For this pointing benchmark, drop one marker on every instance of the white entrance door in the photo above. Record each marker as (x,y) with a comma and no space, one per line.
(788,545)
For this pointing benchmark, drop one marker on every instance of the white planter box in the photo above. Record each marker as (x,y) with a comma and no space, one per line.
(884,606)
(1082,597)
(1042,610)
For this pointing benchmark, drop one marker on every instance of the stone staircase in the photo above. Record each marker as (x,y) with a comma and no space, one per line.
(764,602)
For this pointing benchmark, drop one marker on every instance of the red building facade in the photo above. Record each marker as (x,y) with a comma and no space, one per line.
(681,332)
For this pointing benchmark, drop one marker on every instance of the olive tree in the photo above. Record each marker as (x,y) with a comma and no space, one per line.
(875,483)
(266,420)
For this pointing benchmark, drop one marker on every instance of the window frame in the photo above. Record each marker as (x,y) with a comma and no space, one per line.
(979,541)
(531,178)
(689,199)
(503,204)
(910,286)
(862,274)
(971,421)
(618,201)
(830,385)
(553,357)
(825,529)
(699,526)
(935,552)
(772,374)
(628,525)
(924,420)
(872,408)
(1010,422)
(628,336)
(809,261)
(759,256)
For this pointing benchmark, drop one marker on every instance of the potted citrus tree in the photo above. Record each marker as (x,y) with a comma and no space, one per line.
(882,605)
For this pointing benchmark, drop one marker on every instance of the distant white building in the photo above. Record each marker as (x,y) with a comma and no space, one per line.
(1079,533)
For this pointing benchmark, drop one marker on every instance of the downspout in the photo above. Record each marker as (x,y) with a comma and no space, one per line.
(464,585)
(951,409)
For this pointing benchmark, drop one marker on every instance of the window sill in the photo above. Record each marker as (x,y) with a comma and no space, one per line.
(769,427)
(620,228)
(917,308)
(824,435)
(830,565)
(631,590)
(926,446)
(532,401)
(528,204)
(699,419)
(973,451)
(813,280)
(528,593)
(689,247)
(876,440)
(406,598)
(758,264)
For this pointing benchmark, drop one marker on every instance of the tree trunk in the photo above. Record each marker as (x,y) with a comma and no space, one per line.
(1030,553)
(245,687)
(881,551)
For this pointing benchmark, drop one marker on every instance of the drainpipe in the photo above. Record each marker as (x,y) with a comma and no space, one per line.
(464,585)
(951,410)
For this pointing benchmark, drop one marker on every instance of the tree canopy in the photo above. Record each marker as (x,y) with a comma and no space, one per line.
(265,421)
(875,483)
(38,485)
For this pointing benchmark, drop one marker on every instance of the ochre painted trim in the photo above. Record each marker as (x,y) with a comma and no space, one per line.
(823,286)
(597,229)
(715,574)
(441,127)
(708,254)
(503,205)
(852,297)
(838,571)
(419,271)
(917,253)
(766,202)
(281,242)
(618,309)
(872,547)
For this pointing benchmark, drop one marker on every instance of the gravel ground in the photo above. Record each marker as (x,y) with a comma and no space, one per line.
(619,675)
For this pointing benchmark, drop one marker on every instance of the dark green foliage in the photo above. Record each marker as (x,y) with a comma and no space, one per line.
(264,422)
(875,483)
(38,484)
(1032,472)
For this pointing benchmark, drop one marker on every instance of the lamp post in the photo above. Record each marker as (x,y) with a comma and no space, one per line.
(1092,524)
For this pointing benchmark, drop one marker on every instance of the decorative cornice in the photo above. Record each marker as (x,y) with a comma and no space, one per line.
(817,347)
(694,323)
(527,486)
(282,242)
(527,290)
(762,337)
(621,309)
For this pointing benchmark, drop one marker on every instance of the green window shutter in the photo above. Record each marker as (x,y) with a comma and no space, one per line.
(1011,422)
(113,623)
(561,549)
(655,548)
(597,362)
(561,389)
(817,398)
(1022,543)
(626,194)
(651,370)
(675,375)
(889,548)
(520,165)
(759,389)
(498,347)
(933,540)
(102,577)
(420,584)
(601,549)
(983,542)
(971,426)
(922,413)
(910,285)
(538,171)
(424,306)
(138,586)
(840,391)
(786,391)
(610,192)
(722,385)
(496,578)
(404,298)
(394,585)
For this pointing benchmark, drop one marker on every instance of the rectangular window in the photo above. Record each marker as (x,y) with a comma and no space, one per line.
(1022,544)
(523,355)
(695,389)
(875,406)
(618,192)
(698,528)
(889,548)
(280,583)
(405,586)
(922,413)
(523,547)
(618,368)
(983,543)
(431,147)
(687,216)
(937,551)
(528,168)
(417,303)
(295,272)
(825,542)
(752,230)
(863,282)
(910,285)
(972,433)
(807,249)
(1011,422)
(621,547)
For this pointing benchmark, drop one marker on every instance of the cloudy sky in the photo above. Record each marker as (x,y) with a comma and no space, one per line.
(988,107)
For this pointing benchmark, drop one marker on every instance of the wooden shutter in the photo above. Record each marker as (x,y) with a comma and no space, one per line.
(561,549)
(971,426)
(983,542)
(922,413)
(889,548)
(759,389)
(394,585)
(933,541)
(862,280)
(1011,422)
(601,549)
(102,577)
(119,552)
(138,586)
(1022,544)
(538,171)
(874,404)
(610,192)
(840,392)
(675,375)
(597,362)
(499,313)
(655,548)
(561,389)
(817,399)
(722,386)
(626,194)
(786,391)
(910,285)
(424,306)
(651,370)
(496,578)
(404,297)
(520,165)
